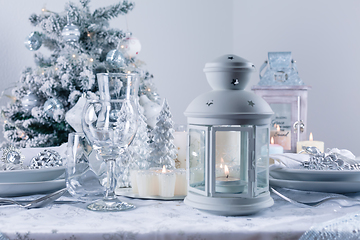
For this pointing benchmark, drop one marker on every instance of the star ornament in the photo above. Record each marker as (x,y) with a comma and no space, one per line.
(251,103)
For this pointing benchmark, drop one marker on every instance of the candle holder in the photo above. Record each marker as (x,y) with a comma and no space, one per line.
(228,143)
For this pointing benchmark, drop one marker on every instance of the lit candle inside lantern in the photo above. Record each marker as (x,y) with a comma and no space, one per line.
(310,143)
(228,184)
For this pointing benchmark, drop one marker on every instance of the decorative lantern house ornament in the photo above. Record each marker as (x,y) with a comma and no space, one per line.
(228,143)
(282,88)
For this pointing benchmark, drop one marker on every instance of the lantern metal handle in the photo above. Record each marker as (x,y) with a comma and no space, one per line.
(262,68)
(301,126)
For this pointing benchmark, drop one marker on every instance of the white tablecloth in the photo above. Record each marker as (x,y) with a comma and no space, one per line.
(166,220)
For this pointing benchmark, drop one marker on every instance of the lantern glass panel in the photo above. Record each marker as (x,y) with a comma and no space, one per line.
(281,124)
(231,161)
(262,160)
(197,156)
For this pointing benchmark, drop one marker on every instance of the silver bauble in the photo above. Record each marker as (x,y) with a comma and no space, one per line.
(33,42)
(115,59)
(71,33)
(45,159)
(29,101)
(51,105)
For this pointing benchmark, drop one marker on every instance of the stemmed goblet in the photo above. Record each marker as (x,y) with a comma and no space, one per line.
(110,124)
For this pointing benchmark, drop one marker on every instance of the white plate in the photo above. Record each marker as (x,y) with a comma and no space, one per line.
(323,186)
(127,192)
(28,188)
(315,175)
(31,175)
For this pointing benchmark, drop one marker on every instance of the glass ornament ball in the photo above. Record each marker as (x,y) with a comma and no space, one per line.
(29,101)
(33,42)
(51,105)
(115,59)
(71,33)
(130,46)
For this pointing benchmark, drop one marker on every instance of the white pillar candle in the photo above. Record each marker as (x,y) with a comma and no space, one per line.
(181,182)
(134,185)
(147,183)
(275,148)
(282,138)
(227,144)
(167,179)
(310,143)
(180,141)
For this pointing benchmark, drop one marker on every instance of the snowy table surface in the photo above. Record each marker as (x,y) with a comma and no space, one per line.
(154,219)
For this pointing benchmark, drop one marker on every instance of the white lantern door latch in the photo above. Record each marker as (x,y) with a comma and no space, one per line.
(299,124)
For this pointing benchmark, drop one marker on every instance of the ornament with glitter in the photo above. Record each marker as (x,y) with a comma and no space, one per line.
(12,155)
(33,42)
(45,159)
(29,101)
(115,59)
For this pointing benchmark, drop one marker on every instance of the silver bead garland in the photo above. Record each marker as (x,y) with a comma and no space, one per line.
(327,161)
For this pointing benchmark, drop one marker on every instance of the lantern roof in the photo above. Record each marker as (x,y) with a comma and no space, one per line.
(228,103)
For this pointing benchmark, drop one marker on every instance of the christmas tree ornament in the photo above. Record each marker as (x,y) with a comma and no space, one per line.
(70,33)
(45,159)
(12,155)
(33,42)
(29,101)
(115,59)
(51,105)
(130,46)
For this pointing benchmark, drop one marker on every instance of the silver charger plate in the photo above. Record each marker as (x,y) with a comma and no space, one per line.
(28,188)
(315,175)
(318,186)
(127,192)
(31,175)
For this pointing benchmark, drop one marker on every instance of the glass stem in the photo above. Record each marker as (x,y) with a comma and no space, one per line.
(111,181)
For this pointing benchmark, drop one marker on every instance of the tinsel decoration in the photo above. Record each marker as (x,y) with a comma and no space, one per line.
(45,159)
(34,41)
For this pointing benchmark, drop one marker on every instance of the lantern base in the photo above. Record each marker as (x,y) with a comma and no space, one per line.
(229,206)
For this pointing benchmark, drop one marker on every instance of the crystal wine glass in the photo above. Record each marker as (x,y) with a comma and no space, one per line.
(110,126)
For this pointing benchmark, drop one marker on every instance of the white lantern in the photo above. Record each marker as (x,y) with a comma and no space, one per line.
(228,143)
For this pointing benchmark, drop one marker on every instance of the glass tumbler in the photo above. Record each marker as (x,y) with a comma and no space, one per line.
(83,171)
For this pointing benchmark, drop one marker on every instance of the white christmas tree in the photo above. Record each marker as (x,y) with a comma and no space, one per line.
(163,151)
(81,45)
(136,155)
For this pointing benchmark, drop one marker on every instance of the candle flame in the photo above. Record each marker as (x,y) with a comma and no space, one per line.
(278,128)
(311,138)
(226,171)
(163,169)
(272,140)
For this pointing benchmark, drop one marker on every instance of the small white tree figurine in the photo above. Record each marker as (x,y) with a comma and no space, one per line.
(163,151)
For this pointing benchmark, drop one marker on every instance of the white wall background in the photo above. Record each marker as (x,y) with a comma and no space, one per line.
(179,37)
